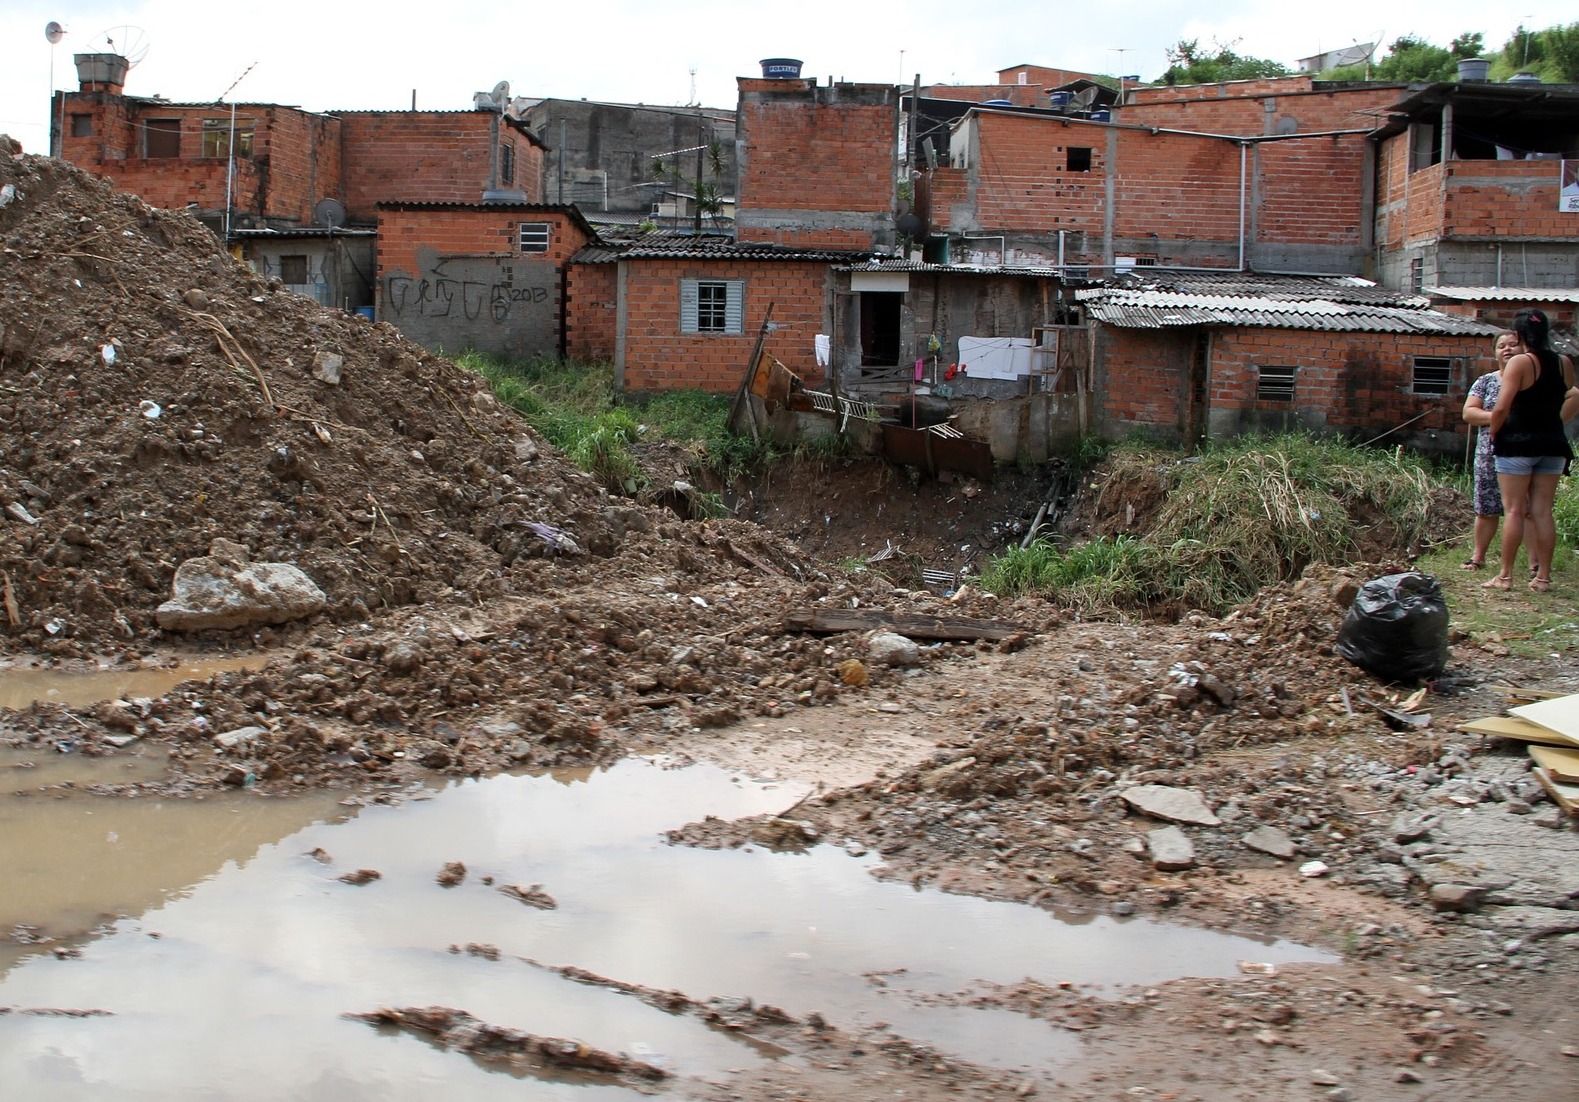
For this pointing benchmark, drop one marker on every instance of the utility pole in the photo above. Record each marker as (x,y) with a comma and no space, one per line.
(701,152)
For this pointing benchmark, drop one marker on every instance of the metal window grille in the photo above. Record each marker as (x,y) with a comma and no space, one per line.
(1432,375)
(712,306)
(535,237)
(1274,383)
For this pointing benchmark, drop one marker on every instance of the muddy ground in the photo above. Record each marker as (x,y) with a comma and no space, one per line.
(155,396)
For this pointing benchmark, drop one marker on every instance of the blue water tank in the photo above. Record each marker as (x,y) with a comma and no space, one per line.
(997,103)
(1101,114)
(1059,101)
(781,68)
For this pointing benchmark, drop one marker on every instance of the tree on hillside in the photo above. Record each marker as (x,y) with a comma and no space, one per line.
(1190,64)
(1414,59)
(1552,54)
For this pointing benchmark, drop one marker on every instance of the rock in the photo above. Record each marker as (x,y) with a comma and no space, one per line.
(197,299)
(941,776)
(222,591)
(1322,1078)
(361,876)
(402,657)
(1456,897)
(241,738)
(890,649)
(526,450)
(1533,922)
(1271,840)
(1179,805)
(1170,848)
(1312,869)
(327,367)
(1409,828)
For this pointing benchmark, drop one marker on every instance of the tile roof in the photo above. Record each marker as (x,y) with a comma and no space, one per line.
(1327,303)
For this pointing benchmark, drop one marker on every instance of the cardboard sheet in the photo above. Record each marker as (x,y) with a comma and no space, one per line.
(1560,714)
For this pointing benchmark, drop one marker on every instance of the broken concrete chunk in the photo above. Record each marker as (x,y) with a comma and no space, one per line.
(1456,897)
(221,590)
(241,738)
(1270,840)
(327,367)
(1179,805)
(1170,848)
(888,648)
(19,512)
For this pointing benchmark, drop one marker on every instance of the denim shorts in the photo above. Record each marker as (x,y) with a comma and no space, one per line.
(1530,464)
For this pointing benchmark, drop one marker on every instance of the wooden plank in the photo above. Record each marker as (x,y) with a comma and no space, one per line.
(828,621)
(1518,694)
(1560,762)
(1511,727)
(1565,796)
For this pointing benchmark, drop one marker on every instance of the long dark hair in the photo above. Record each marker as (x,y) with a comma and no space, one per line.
(1532,328)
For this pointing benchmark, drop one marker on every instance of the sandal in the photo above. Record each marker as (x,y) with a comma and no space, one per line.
(1472,564)
(1540,585)
(1499,582)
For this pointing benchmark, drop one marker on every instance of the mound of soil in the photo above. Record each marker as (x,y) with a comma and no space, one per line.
(156,395)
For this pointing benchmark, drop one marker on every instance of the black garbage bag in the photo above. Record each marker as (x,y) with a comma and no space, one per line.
(1396,628)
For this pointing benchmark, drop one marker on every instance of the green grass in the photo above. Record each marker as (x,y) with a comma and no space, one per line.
(578,409)
(1241,515)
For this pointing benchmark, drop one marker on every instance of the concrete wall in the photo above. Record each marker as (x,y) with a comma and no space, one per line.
(653,354)
(340,269)
(587,140)
(817,163)
(454,279)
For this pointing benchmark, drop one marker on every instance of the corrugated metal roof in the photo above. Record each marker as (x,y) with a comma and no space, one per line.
(880,265)
(679,247)
(1329,304)
(1374,319)
(1506,294)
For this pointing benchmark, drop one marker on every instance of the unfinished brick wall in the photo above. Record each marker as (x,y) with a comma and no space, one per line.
(430,157)
(816,163)
(455,278)
(1143,380)
(1021,95)
(591,317)
(657,356)
(294,160)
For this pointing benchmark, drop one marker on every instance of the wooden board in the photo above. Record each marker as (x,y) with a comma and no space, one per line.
(1511,727)
(1562,764)
(830,621)
(1560,714)
(1565,796)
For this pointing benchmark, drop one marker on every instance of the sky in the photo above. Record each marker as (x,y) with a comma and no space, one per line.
(326,55)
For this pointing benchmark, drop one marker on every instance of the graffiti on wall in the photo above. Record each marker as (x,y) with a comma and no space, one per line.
(493,304)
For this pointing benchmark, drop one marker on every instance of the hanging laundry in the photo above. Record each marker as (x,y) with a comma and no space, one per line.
(921,365)
(824,346)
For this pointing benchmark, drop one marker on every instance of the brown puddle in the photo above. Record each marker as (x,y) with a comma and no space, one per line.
(234,982)
(21,686)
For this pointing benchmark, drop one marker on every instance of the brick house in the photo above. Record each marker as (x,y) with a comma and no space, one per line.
(1187,355)
(1470,175)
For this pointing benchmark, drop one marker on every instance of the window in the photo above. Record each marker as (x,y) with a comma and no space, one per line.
(1079,158)
(1274,384)
(535,237)
(82,126)
(1417,274)
(507,164)
(162,138)
(293,270)
(217,134)
(1145,262)
(711,306)
(1432,375)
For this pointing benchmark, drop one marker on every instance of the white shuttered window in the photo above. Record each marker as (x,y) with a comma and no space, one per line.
(712,306)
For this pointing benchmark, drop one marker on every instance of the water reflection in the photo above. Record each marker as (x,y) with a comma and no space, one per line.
(237,989)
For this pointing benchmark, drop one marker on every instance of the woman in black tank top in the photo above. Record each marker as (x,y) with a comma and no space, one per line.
(1531,448)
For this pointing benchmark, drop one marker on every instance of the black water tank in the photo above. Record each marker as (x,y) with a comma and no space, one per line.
(781,68)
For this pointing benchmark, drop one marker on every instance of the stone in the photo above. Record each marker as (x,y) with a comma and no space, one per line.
(1456,897)
(327,367)
(222,591)
(1179,805)
(1409,828)
(890,649)
(241,738)
(197,299)
(1171,849)
(1270,840)
(526,451)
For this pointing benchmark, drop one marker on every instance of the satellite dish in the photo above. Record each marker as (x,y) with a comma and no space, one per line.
(910,225)
(501,92)
(53,32)
(329,212)
(129,42)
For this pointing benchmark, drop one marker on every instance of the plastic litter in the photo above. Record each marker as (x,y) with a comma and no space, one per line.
(1396,628)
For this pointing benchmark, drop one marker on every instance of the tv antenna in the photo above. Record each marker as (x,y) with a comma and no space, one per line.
(129,42)
(692,101)
(53,33)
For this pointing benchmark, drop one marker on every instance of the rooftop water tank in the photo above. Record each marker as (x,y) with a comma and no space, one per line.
(1524,78)
(1473,70)
(781,68)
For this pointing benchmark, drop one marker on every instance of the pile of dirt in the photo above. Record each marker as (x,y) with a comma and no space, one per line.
(156,395)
